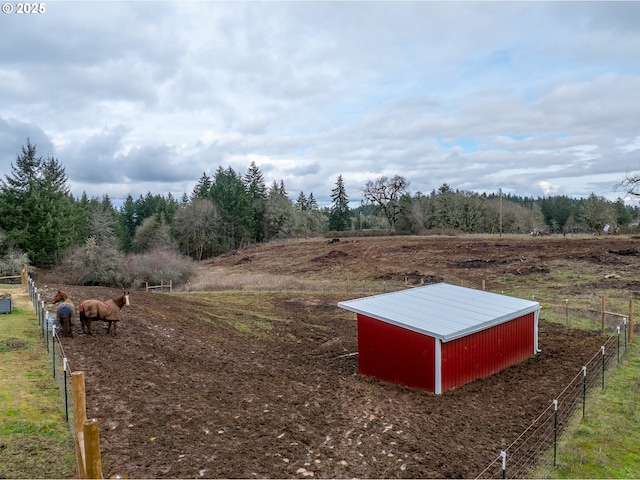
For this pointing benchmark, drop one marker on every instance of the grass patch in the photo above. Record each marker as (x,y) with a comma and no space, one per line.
(245,311)
(605,443)
(35,439)
(250,313)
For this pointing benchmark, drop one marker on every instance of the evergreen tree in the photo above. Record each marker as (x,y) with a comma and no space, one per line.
(283,190)
(230,195)
(623,216)
(128,223)
(302,202)
(203,187)
(339,215)
(37,210)
(557,210)
(257,190)
(312,203)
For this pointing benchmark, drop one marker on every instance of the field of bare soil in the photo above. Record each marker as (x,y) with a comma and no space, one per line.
(257,383)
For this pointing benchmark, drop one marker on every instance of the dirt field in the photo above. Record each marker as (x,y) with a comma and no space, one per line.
(265,384)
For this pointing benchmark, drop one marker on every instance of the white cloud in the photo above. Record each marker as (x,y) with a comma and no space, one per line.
(531,97)
(549,188)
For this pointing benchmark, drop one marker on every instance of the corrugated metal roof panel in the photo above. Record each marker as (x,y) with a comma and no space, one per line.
(443,311)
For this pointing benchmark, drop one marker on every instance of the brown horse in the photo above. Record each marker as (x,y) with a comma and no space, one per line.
(65,312)
(108,311)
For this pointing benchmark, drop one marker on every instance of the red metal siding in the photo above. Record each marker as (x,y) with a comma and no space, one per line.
(395,354)
(487,352)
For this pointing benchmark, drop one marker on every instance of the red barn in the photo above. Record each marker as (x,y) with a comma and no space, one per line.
(442,336)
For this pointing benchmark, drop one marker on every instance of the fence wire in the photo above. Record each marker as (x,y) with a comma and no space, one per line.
(534,452)
(60,366)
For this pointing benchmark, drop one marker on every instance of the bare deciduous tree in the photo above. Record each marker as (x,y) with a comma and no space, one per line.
(631,184)
(385,194)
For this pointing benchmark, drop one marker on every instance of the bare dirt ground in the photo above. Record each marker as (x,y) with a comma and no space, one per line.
(265,384)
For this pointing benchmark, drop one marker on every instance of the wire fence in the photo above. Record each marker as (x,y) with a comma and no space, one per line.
(60,367)
(534,452)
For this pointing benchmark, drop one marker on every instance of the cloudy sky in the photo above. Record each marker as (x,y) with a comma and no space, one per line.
(535,98)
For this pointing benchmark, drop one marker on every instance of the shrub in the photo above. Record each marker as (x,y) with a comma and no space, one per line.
(13,262)
(93,264)
(156,266)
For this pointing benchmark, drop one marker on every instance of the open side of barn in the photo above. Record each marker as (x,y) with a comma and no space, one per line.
(441,336)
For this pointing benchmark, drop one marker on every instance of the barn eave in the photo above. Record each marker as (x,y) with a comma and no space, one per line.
(443,311)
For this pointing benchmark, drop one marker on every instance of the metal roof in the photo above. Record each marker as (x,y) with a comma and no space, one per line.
(441,310)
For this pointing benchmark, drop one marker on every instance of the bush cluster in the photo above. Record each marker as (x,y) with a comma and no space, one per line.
(91,264)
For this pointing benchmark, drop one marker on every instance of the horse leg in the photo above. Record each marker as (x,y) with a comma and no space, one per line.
(115,326)
(66,326)
(83,320)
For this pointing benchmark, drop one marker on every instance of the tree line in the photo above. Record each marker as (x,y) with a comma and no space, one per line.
(43,224)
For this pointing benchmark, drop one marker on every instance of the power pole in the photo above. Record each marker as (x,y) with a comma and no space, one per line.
(500,192)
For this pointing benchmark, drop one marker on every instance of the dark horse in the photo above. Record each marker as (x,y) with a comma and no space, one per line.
(108,311)
(65,312)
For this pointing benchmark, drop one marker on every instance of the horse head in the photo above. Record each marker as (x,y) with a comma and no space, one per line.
(60,297)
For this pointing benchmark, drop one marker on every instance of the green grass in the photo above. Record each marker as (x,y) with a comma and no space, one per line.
(35,439)
(606,443)
(257,317)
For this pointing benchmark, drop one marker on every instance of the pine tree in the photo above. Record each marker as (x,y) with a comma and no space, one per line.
(203,187)
(230,195)
(340,214)
(312,203)
(283,191)
(302,203)
(37,210)
(257,190)
(128,222)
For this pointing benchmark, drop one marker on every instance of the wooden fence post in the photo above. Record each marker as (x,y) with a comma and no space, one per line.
(25,277)
(92,448)
(79,416)
(603,309)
